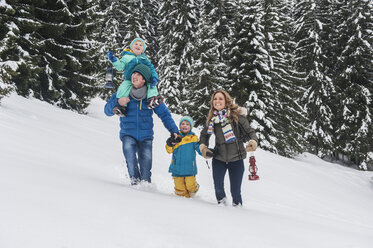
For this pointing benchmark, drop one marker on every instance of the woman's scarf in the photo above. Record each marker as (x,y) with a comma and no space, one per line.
(222,118)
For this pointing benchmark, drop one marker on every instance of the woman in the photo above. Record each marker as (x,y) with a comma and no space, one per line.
(231,128)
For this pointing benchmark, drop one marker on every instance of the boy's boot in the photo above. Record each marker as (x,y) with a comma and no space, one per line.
(121,111)
(191,185)
(154,101)
(180,187)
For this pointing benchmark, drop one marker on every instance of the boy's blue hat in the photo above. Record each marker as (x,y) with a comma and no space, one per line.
(138,39)
(188,119)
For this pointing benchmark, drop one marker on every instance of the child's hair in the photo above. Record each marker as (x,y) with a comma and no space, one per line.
(138,39)
(188,119)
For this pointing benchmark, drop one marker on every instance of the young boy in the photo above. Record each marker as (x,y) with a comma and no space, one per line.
(183,165)
(130,58)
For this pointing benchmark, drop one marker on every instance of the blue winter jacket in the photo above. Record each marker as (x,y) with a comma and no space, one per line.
(128,62)
(184,156)
(139,120)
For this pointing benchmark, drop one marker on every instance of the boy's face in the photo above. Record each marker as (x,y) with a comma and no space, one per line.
(185,127)
(137,48)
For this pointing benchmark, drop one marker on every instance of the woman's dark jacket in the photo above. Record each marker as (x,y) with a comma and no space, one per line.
(232,151)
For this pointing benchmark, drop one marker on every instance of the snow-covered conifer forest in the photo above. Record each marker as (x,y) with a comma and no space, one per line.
(302,68)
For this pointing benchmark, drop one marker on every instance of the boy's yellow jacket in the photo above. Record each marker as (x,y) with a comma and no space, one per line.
(184,156)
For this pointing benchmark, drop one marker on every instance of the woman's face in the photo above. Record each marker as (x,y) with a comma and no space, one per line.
(219,101)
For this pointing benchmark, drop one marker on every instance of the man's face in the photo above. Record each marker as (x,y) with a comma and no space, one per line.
(137,80)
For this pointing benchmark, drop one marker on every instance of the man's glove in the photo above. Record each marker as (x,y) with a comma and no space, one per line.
(154,82)
(111,56)
(169,142)
(206,153)
(172,141)
(251,146)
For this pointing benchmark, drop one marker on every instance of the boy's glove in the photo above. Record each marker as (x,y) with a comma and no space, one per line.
(111,56)
(251,146)
(154,82)
(206,153)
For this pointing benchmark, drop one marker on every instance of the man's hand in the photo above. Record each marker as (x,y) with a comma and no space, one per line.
(170,142)
(173,140)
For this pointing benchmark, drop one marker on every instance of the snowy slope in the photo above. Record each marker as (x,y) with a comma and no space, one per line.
(63,183)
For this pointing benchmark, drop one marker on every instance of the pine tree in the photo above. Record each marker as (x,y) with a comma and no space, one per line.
(286,113)
(249,70)
(151,24)
(112,34)
(60,56)
(23,47)
(318,97)
(178,21)
(354,80)
(9,35)
(209,69)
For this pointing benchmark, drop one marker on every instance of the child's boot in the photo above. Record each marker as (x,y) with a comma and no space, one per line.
(180,188)
(191,185)
(155,101)
(121,111)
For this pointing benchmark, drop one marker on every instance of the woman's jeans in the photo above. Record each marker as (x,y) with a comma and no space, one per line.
(235,170)
(138,156)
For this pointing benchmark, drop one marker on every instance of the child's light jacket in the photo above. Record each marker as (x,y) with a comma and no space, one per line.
(184,156)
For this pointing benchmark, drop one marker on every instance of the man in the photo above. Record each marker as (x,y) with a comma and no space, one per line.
(136,125)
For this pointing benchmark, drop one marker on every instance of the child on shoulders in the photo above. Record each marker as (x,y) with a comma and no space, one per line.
(130,58)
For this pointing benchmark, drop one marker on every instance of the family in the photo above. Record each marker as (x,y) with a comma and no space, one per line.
(135,101)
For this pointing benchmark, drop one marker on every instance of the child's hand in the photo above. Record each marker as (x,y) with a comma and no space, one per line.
(123,101)
(111,56)
(154,82)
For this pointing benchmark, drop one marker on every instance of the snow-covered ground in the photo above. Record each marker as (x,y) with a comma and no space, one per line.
(63,183)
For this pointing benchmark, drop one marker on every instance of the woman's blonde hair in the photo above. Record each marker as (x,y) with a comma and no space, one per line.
(231,107)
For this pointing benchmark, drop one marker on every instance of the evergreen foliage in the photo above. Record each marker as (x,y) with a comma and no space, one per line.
(59,56)
(354,81)
(178,21)
(9,35)
(209,68)
(318,97)
(284,82)
(249,71)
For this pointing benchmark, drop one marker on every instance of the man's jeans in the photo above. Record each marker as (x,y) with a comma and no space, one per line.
(138,154)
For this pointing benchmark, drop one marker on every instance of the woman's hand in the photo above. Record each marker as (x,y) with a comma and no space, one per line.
(206,153)
(251,146)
